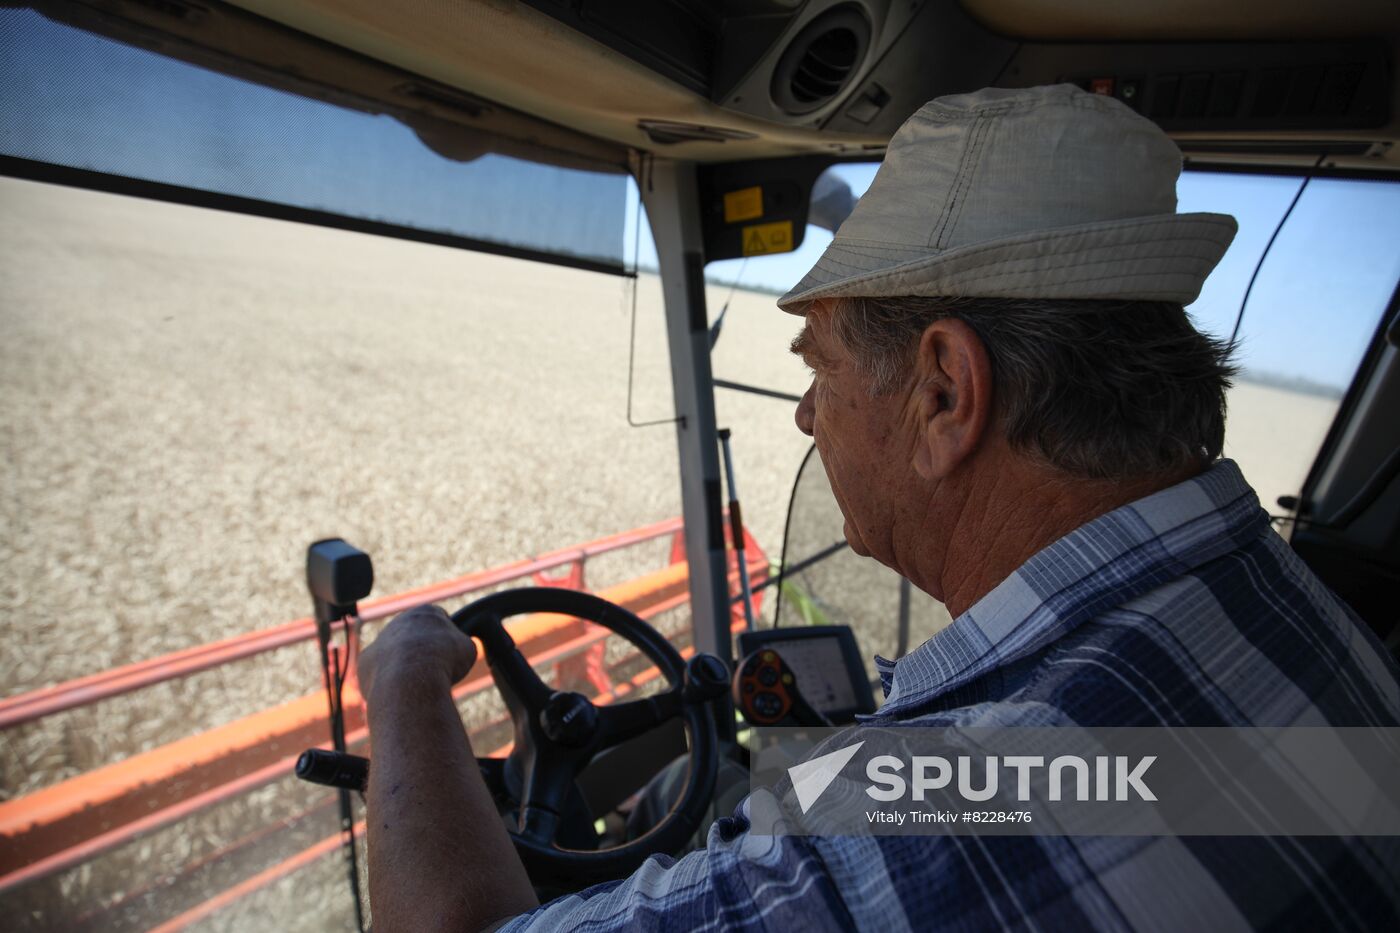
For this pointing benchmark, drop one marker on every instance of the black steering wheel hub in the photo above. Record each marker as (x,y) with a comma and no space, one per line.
(570,719)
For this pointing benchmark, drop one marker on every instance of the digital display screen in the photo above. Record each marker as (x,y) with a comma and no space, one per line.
(820,667)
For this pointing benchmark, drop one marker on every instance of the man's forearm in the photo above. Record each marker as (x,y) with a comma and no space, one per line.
(439,857)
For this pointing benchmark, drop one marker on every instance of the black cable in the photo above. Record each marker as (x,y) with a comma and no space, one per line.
(724,309)
(787,533)
(756,390)
(334,676)
(734,285)
(1234,334)
(1239,317)
(833,548)
(340,680)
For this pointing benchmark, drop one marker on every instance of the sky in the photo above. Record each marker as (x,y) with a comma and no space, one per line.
(1319,295)
(1315,306)
(76,99)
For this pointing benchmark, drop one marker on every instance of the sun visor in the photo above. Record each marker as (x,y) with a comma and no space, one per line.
(84,109)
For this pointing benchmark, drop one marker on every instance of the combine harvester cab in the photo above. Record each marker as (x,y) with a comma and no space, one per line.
(544,141)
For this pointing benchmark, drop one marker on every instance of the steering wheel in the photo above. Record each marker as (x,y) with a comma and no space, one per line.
(557,734)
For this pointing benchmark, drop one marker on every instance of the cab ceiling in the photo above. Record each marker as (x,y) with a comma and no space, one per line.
(530,57)
(514,55)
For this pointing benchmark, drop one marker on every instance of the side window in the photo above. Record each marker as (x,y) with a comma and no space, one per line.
(1315,304)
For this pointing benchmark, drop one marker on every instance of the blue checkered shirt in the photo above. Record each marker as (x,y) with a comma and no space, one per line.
(1180,609)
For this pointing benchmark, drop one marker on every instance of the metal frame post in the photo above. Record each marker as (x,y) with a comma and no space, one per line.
(671,196)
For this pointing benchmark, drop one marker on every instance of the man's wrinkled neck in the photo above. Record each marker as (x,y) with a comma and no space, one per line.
(1003,510)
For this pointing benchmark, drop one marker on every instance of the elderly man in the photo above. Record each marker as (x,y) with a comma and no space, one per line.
(1015,414)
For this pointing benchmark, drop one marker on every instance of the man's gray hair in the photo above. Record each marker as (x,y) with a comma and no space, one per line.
(1097,389)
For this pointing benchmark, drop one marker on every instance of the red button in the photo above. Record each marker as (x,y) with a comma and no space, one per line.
(1102,86)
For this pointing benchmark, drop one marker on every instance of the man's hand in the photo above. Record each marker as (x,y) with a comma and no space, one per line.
(422,643)
(439,856)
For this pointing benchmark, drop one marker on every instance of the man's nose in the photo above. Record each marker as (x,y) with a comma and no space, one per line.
(805,416)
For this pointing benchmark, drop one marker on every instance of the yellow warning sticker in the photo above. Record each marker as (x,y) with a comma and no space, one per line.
(744,204)
(761,239)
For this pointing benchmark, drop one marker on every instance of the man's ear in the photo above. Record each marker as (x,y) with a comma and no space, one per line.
(953,386)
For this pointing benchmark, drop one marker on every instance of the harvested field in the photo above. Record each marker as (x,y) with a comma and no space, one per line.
(188,398)
(193,397)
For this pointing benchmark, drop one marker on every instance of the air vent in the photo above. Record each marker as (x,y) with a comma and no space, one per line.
(821,61)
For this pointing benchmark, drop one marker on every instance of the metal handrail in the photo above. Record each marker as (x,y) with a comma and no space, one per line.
(36,704)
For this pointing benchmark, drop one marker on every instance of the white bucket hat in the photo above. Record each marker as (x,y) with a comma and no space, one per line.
(1046,192)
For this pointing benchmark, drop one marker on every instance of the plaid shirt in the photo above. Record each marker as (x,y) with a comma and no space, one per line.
(1181,609)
